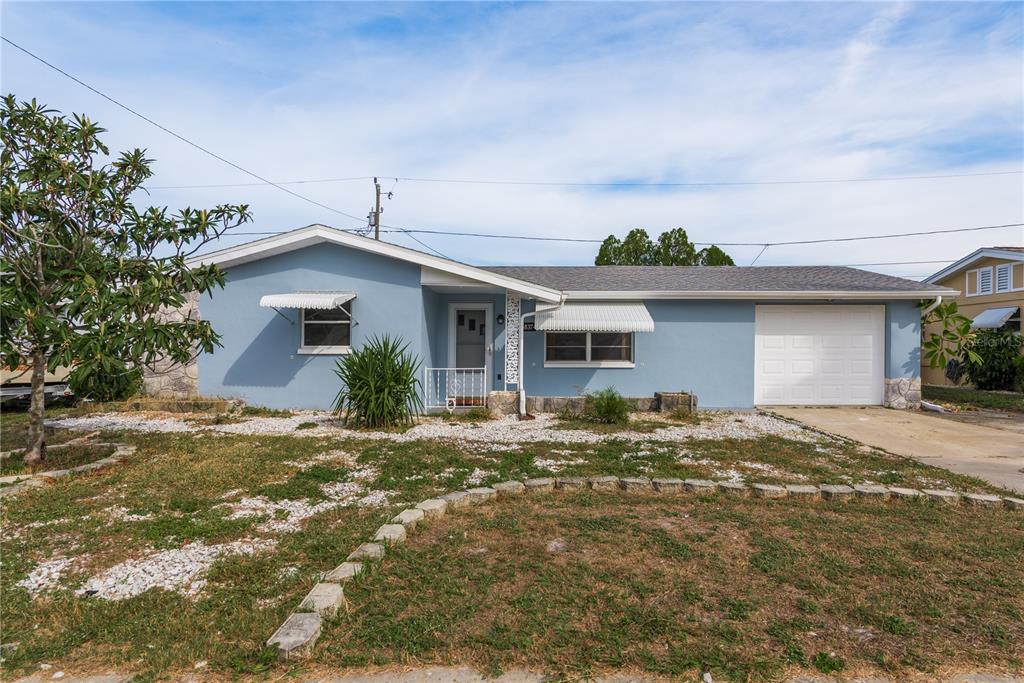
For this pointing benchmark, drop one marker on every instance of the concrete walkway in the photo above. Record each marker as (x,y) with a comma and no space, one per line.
(995,455)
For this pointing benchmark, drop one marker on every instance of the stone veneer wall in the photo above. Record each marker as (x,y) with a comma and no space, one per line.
(165,378)
(903,393)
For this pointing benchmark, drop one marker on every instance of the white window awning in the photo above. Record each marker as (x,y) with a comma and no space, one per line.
(993,318)
(317,300)
(596,317)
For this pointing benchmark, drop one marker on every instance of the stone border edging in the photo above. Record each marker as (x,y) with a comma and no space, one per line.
(21,482)
(298,634)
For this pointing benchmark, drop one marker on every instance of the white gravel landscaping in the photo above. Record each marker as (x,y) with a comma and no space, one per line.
(506,430)
(180,569)
(46,575)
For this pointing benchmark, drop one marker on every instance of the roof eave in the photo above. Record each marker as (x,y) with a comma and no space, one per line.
(873,295)
(976,255)
(316,234)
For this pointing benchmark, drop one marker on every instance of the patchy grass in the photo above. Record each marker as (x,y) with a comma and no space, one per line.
(742,588)
(641,425)
(260,411)
(57,458)
(180,488)
(14,429)
(971,399)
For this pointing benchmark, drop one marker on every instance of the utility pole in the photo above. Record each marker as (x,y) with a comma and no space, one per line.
(376,211)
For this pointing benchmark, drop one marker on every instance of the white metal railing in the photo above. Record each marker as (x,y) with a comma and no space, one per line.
(452,388)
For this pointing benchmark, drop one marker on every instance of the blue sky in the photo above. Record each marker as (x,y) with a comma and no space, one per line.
(679,92)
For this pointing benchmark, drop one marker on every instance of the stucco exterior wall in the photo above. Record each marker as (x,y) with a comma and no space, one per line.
(704,347)
(259,361)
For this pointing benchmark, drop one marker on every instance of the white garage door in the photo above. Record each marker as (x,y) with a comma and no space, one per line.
(819,355)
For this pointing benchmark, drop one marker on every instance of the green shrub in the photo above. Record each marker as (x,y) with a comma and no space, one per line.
(996,366)
(1018,365)
(606,406)
(380,384)
(91,381)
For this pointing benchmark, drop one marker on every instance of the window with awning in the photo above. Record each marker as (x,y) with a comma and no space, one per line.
(305,299)
(997,318)
(325,318)
(592,334)
(596,317)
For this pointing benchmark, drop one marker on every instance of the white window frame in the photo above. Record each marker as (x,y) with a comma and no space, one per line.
(978,291)
(631,363)
(323,350)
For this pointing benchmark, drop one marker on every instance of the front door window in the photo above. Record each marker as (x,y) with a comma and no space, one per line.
(470,338)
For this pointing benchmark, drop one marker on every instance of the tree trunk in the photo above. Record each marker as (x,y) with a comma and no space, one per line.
(36,450)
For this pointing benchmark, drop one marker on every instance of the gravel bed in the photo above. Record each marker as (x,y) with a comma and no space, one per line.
(506,430)
(180,569)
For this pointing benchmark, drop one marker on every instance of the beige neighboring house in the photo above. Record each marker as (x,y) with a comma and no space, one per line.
(991,285)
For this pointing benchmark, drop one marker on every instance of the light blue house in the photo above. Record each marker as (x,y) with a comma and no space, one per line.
(735,337)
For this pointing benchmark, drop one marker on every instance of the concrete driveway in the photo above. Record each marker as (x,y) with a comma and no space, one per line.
(995,455)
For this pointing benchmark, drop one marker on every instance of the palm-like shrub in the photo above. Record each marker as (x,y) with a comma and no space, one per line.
(380,384)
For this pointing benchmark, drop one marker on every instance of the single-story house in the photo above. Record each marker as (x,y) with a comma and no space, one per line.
(736,337)
(991,284)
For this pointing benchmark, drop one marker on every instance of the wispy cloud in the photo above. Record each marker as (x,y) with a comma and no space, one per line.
(583,92)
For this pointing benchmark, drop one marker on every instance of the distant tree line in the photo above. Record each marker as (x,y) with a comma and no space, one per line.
(673,248)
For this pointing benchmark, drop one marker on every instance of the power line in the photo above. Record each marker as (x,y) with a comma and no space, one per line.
(706,244)
(815,181)
(410,231)
(279,182)
(898,263)
(874,237)
(555,183)
(759,254)
(176,135)
(203,149)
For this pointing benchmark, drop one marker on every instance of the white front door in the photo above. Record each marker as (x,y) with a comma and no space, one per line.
(470,334)
(819,355)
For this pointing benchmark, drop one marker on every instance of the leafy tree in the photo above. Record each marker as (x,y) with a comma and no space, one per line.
(84,270)
(673,248)
(713,256)
(948,346)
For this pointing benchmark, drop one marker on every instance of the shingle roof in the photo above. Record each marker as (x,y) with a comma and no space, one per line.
(1019,250)
(710,278)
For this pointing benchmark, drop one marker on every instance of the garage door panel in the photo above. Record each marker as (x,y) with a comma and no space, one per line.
(819,355)
(833,366)
(831,392)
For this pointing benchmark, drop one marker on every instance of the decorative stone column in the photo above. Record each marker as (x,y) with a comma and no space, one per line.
(513,308)
(902,393)
(165,378)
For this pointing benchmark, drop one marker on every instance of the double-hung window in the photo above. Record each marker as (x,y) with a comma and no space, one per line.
(579,349)
(327,330)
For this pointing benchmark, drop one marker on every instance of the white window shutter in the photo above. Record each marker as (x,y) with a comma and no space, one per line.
(1003,277)
(985,281)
